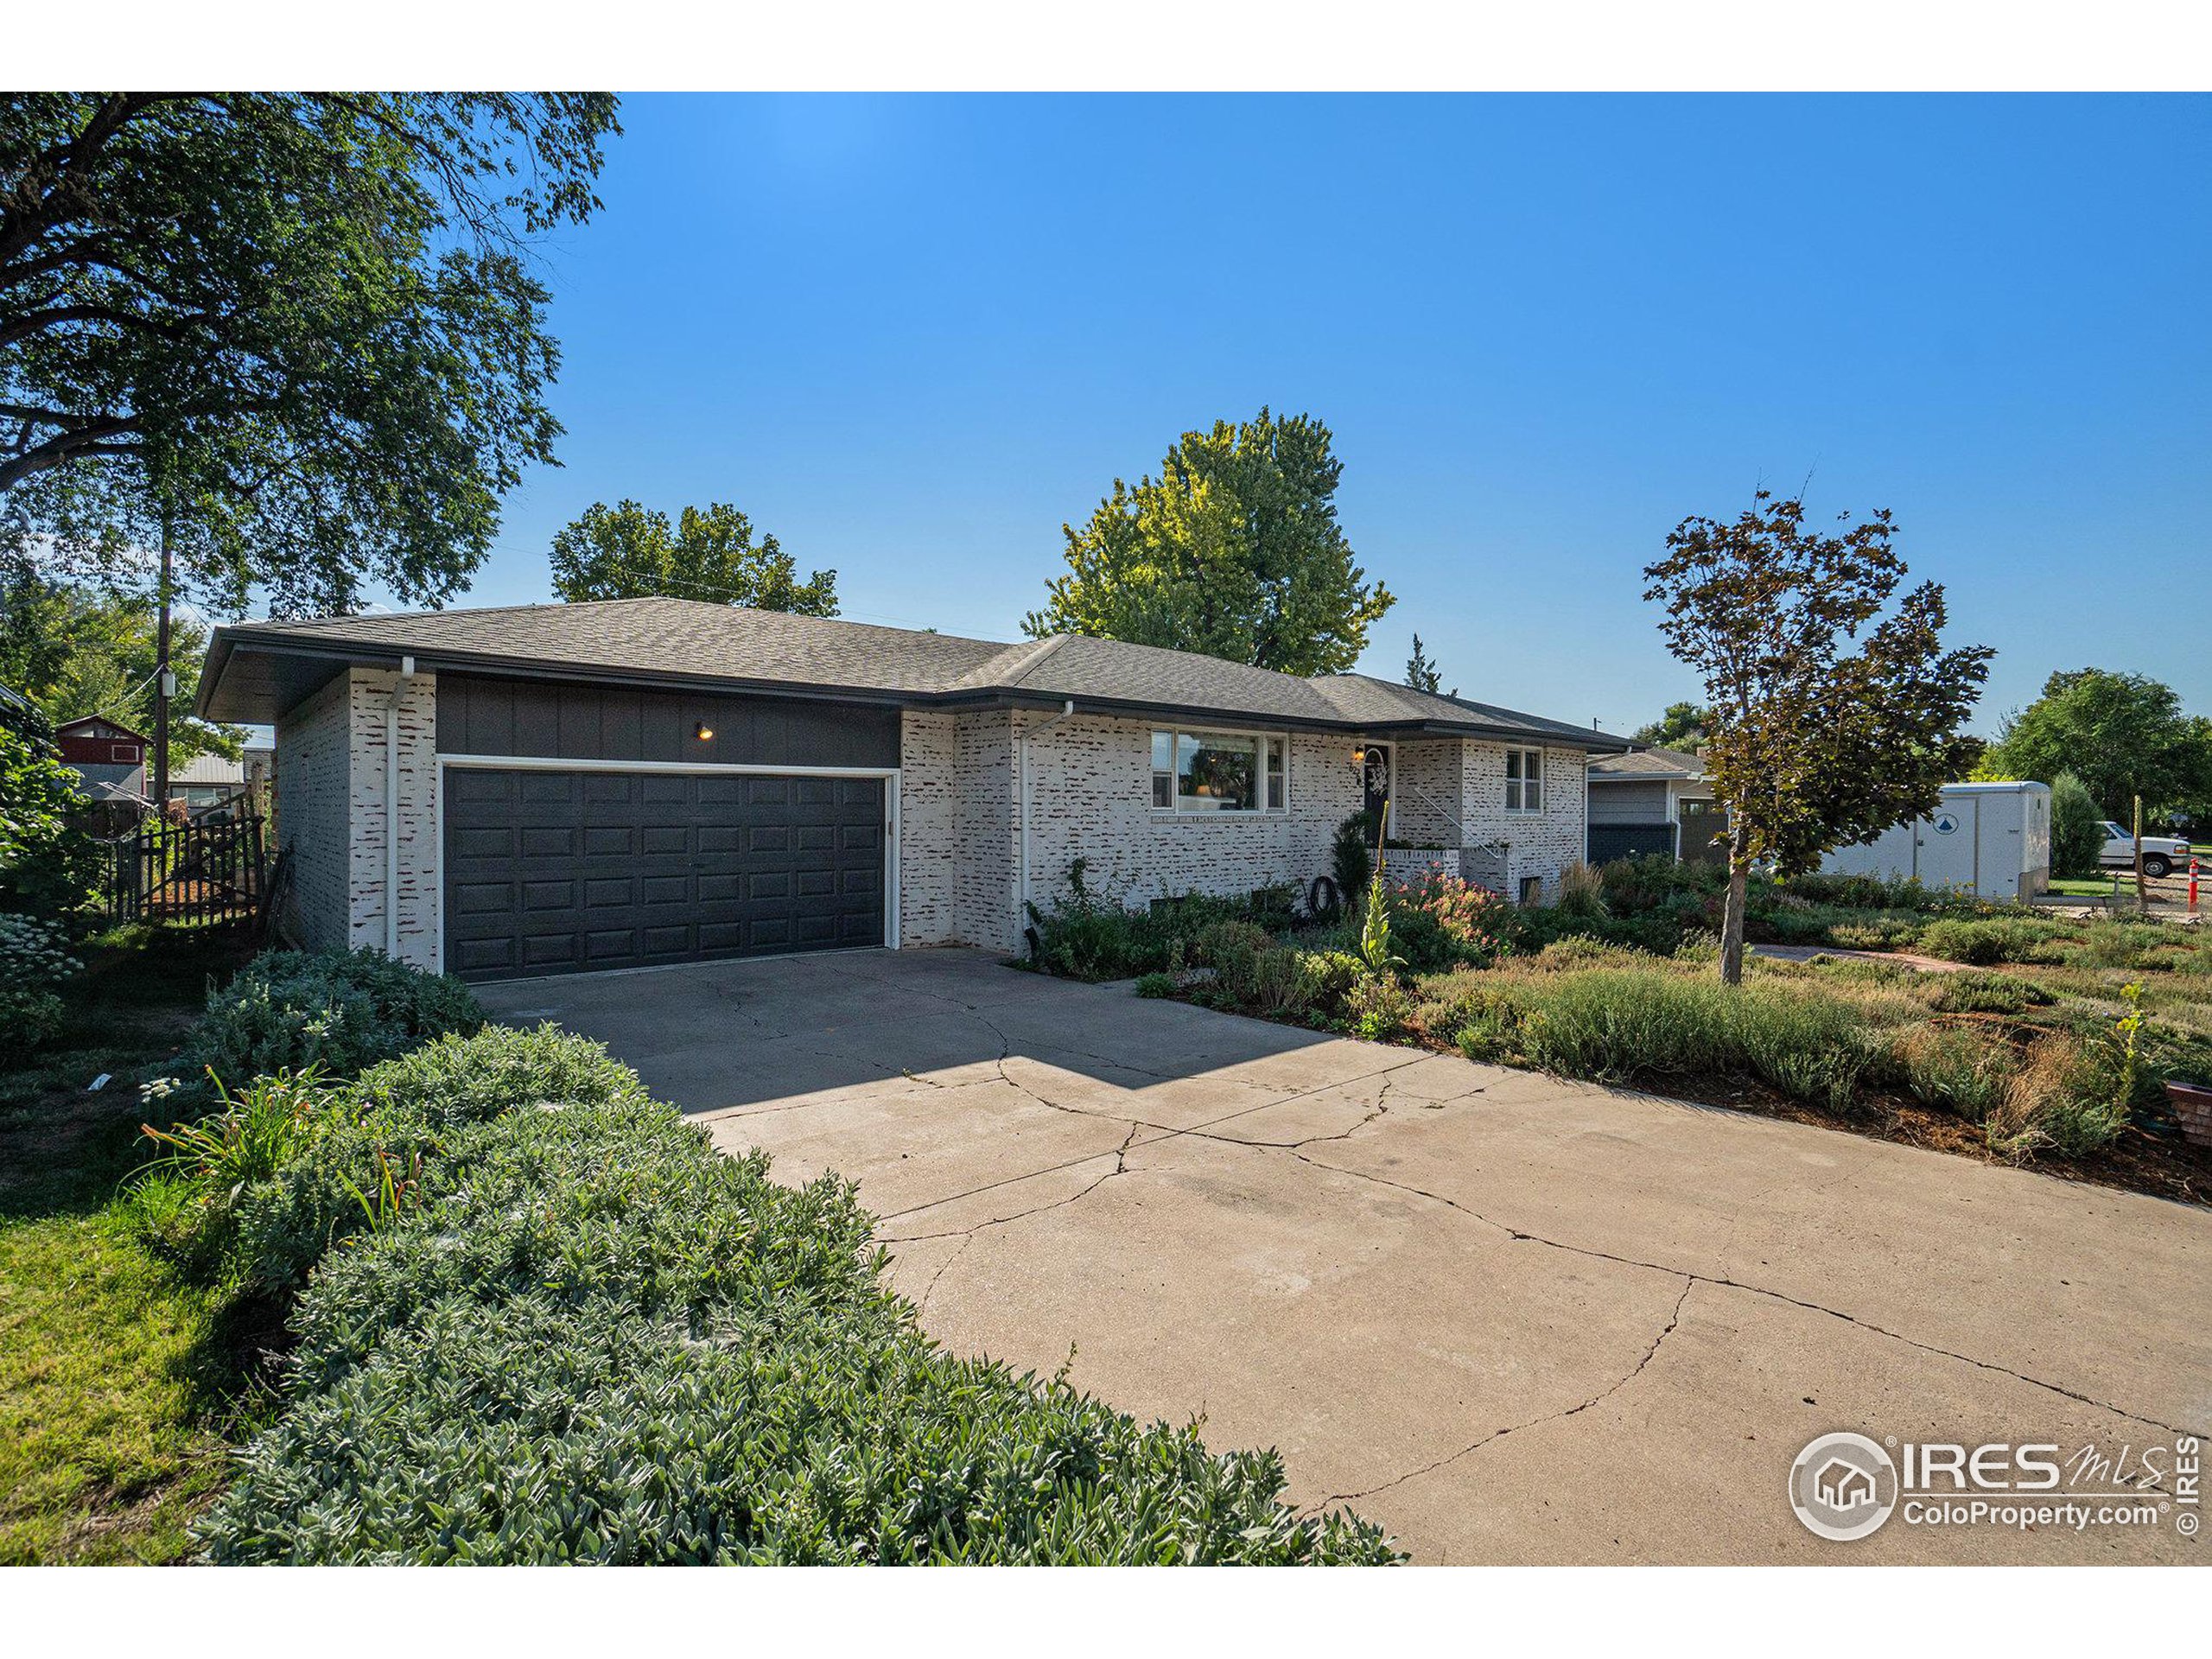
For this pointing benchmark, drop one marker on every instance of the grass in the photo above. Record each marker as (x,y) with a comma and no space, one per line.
(113,1370)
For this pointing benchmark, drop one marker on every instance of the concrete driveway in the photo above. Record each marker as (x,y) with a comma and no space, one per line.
(1513,1318)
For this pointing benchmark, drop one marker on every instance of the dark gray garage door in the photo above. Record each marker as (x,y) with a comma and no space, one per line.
(551,872)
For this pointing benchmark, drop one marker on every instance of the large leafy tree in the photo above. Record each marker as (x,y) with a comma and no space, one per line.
(628,552)
(1681,727)
(1834,713)
(2122,734)
(78,648)
(1233,552)
(304,329)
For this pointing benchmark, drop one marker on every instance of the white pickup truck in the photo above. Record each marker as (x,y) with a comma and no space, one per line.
(2162,855)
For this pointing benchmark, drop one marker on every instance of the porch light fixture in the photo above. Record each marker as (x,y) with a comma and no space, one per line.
(702,730)
(1359,755)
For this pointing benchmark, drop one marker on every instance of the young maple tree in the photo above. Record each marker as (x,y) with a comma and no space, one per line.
(1834,714)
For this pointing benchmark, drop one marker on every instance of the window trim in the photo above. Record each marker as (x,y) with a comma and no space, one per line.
(1174,809)
(1522,783)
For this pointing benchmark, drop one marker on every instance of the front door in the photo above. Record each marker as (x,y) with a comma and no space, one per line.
(1374,779)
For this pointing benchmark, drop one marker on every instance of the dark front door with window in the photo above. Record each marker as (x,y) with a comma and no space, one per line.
(551,871)
(1375,780)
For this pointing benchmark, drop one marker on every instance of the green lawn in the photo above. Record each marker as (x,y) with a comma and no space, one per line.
(113,1370)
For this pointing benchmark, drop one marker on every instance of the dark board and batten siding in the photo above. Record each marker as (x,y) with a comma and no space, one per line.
(552,720)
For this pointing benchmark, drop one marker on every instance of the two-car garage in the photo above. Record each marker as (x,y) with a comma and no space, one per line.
(586,827)
(553,870)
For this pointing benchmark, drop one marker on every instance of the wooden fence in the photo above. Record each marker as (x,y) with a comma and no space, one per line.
(204,871)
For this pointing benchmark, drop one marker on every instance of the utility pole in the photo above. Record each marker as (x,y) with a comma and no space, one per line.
(164,681)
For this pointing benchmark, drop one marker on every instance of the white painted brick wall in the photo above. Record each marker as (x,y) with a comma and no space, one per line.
(330,812)
(1427,783)
(312,755)
(1092,799)
(1541,844)
(984,907)
(929,828)
(371,694)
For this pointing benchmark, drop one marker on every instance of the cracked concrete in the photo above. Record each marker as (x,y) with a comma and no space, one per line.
(1512,1318)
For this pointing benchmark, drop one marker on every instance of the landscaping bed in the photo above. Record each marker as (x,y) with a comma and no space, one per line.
(408,1289)
(2048,1043)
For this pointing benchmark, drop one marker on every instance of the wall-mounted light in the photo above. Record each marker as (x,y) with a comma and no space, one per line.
(702,730)
(1359,755)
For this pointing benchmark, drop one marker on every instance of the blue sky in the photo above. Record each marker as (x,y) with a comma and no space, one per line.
(914,335)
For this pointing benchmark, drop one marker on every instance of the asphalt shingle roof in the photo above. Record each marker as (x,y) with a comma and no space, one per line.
(1648,763)
(694,640)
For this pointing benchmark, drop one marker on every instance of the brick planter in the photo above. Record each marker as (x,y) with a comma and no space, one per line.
(2192,1104)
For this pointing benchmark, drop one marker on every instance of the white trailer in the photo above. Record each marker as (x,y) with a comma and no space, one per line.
(1991,840)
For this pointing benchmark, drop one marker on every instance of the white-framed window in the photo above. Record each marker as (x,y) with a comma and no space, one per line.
(1219,772)
(1524,780)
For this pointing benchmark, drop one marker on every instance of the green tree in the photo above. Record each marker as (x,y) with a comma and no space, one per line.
(628,551)
(1234,551)
(75,648)
(1422,672)
(1812,745)
(1681,727)
(305,329)
(2121,735)
(48,865)
(2077,830)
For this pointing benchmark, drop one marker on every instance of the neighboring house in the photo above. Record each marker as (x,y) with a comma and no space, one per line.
(541,789)
(1652,801)
(102,751)
(206,780)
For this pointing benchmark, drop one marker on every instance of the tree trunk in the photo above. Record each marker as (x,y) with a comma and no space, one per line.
(162,677)
(1731,922)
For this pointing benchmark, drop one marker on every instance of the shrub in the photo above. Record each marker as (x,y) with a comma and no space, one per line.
(193,1193)
(396,1115)
(1618,1024)
(1377,1008)
(1982,943)
(1633,886)
(2058,1099)
(1155,985)
(1084,935)
(1439,921)
(589,1336)
(33,962)
(1979,993)
(1581,892)
(1877,932)
(1954,1068)
(1351,856)
(47,862)
(340,1012)
(2078,831)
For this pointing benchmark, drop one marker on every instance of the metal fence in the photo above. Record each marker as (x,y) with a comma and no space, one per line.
(207,871)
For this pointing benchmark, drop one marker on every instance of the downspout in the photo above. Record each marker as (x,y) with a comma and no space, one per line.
(392,808)
(1067,712)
